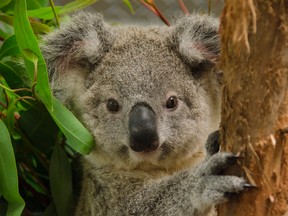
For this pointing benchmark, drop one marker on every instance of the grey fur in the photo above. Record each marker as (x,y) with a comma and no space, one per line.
(90,62)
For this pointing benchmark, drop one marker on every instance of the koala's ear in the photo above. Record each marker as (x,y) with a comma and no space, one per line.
(196,39)
(73,50)
(83,41)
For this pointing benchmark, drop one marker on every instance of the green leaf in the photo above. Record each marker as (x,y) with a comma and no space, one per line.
(51,210)
(9,120)
(11,71)
(34,4)
(38,28)
(9,47)
(6,19)
(45,13)
(30,179)
(76,5)
(31,56)
(129,5)
(60,176)
(8,174)
(6,31)
(26,40)
(34,123)
(78,138)
(31,5)
(4,3)
(8,8)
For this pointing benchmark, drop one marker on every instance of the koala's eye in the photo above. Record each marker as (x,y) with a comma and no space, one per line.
(172,102)
(113,105)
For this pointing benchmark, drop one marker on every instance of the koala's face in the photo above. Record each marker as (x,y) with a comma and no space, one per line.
(146,99)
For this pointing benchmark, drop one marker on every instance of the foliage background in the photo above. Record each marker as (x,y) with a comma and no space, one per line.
(39,137)
(115,11)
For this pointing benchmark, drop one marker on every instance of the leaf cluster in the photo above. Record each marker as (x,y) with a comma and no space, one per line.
(38,135)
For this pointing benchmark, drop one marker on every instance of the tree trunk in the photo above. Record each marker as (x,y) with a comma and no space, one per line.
(254,121)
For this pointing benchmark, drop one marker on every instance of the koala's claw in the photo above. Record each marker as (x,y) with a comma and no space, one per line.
(249,186)
(220,188)
(217,163)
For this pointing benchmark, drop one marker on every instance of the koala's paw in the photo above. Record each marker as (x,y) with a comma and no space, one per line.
(217,188)
(213,143)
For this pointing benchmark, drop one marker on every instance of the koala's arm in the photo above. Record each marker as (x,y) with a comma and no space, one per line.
(190,192)
(187,193)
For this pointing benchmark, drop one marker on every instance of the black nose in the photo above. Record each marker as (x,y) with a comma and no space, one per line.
(143,128)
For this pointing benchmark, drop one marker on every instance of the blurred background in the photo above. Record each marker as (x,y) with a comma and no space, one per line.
(115,11)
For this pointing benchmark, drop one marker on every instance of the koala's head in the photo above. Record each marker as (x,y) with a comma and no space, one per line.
(149,95)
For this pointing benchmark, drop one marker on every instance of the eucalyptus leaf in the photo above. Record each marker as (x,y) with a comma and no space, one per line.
(8,174)
(9,47)
(5,33)
(34,4)
(45,13)
(9,120)
(76,5)
(8,8)
(13,76)
(38,28)
(78,138)
(4,3)
(61,181)
(129,5)
(51,210)
(39,127)
(6,19)
(26,40)
(31,56)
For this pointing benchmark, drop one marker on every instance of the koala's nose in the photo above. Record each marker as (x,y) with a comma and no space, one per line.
(143,128)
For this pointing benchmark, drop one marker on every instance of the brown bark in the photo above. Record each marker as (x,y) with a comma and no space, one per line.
(255,102)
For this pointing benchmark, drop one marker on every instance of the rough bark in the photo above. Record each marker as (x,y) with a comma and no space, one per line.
(255,102)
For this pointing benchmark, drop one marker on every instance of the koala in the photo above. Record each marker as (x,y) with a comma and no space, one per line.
(150,96)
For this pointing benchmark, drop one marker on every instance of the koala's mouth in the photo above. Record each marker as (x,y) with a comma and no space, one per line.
(145,155)
(154,152)
(156,157)
(145,148)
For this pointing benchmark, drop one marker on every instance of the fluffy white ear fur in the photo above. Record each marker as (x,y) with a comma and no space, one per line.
(196,39)
(72,50)
(75,43)
(69,85)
